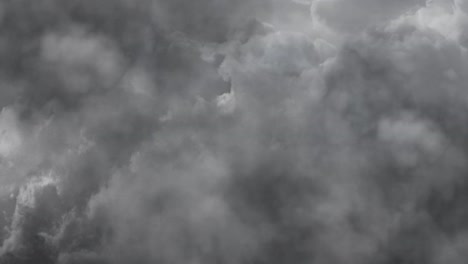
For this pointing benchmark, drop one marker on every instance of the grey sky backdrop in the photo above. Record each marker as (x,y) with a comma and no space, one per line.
(233,131)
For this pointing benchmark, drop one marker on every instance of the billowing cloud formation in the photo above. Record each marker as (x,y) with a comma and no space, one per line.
(253,131)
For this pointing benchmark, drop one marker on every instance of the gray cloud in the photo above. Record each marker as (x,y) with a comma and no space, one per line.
(156,131)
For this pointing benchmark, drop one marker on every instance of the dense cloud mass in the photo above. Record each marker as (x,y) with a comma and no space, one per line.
(222,131)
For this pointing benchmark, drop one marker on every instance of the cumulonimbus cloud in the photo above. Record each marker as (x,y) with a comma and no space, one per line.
(253,131)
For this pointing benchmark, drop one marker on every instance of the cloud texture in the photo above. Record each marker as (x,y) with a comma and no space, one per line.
(217,131)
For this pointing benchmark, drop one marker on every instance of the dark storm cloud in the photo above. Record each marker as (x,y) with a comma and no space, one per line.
(216,131)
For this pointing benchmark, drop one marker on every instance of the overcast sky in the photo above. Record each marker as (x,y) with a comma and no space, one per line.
(233,131)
